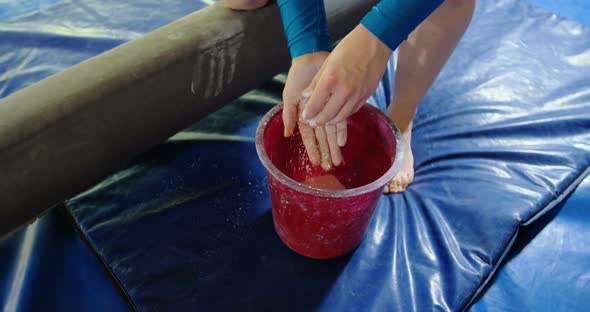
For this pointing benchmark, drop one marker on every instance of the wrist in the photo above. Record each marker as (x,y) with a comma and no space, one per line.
(312,57)
(377,47)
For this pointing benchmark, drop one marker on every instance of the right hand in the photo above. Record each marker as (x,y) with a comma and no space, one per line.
(321,143)
(347,78)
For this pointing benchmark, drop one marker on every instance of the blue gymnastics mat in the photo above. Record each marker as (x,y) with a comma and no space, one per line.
(501,138)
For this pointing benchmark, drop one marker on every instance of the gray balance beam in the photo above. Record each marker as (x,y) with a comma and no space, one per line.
(69,131)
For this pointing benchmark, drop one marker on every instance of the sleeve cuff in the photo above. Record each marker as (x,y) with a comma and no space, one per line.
(380,26)
(309,44)
(392,21)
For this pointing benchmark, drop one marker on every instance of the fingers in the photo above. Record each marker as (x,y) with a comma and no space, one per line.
(339,106)
(322,141)
(323,144)
(332,108)
(349,108)
(309,141)
(332,137)
(289,117)
(342,133)
(318,96)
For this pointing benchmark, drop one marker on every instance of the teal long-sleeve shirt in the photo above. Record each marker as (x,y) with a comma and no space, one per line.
(306,26)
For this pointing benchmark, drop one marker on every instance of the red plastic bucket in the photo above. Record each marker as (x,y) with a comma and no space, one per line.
(321,223)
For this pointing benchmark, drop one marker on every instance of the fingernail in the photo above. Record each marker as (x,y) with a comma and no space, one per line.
(326,164)
(306,93)
(336,161)
(314,161)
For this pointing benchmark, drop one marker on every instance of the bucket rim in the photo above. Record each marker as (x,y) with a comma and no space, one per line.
(306,189)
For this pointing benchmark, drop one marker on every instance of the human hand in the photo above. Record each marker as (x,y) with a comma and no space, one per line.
(301,73)
(347,78)
(322,143)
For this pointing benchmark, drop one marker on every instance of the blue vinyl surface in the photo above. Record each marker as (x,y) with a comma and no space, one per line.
(48,267)
(547,269)
(38,38)
(502,135)
(59,35)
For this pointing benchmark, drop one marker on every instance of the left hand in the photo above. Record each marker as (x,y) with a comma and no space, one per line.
(322,143)
(346,79)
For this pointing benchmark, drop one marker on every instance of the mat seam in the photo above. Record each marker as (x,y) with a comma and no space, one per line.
(67,212)
(548,207)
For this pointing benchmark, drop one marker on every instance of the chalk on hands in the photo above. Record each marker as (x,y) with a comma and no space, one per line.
(305,95)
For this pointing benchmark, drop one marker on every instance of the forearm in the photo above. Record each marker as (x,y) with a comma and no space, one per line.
(306,26)
(391,21)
